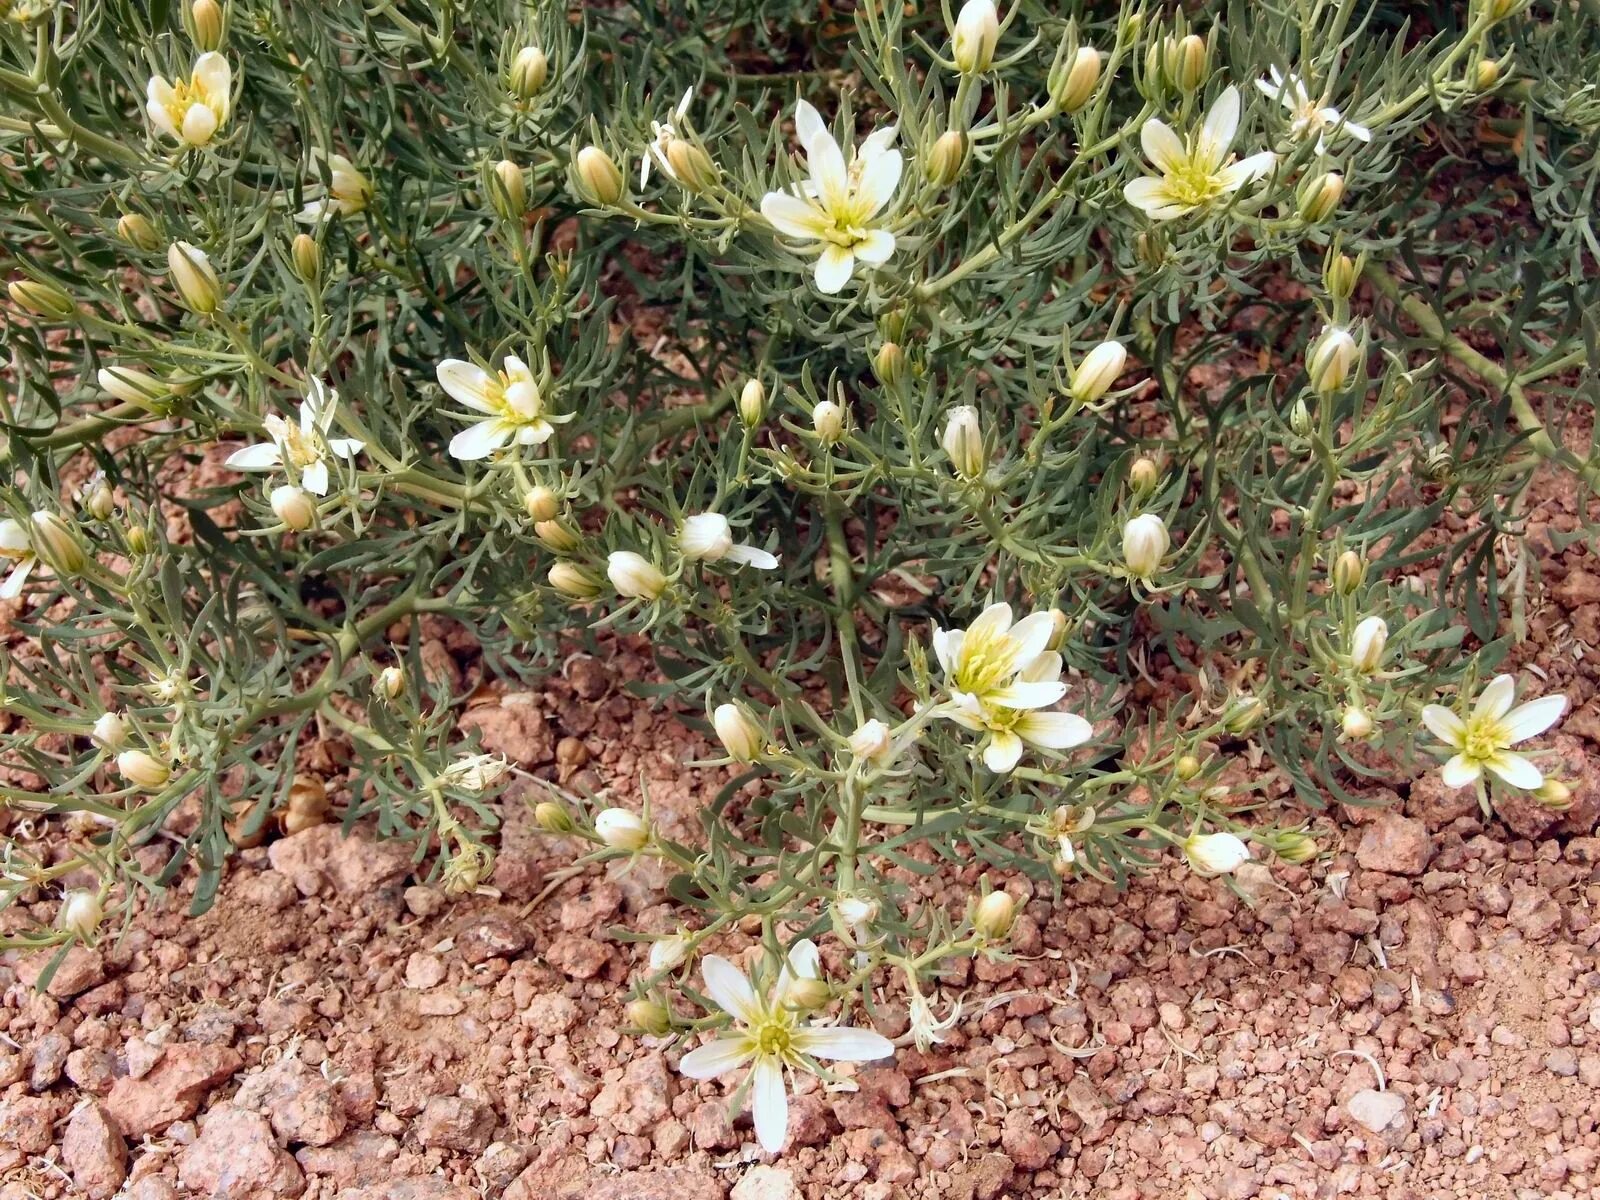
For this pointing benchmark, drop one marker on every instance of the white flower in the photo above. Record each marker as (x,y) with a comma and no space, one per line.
(1216,853)
(1197,173)
(512,399)
(662,135)
(621,829)
(1485,737)
(16,546)
(1331,359)
(709,537)
(475,772)
(349,191)
(962,441)
(976,33)
(872,740)
(770,1037)
(634,576)
(740,736)
(1308,115)
(839,208)
(1145,542)
(999,674)
(192,110)
(666,953)
(1367,644)
(304,447)
(1098,371)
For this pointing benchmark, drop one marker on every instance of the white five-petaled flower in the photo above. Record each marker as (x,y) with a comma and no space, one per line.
(17,548)
(840,207)
(1000,675)
(512,399)
(348,193)
(304,447)
(1309,116)
(192,110)
(662,135)
(1196,173)
(1484,737)
(770,1037)
(709,537)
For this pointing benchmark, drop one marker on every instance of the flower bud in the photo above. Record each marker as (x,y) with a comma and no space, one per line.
(1144,474)
(100,502)
(1348,572)
(1499,10)
(192,275)
(1243,714)
(740,736)
(599,179)
(552,817)
(1187,62)
(668,952)
(1144,544)
(649,1016)
(827,418)
(976,33)
(634,576)
(80,913)
(1332,359)
(528,73)
(621,829)
(947,158)
(1215,853)
(508,190)
(1187,767)
(889,363)
(133,387)
(136,230)
(110,731)
(1320,195)
(1554,794)
(806,993)
(207,17)
(574,582)
(1367,644)
(1098,371)
(42,299)
(1340,276)
(691,166)
(391,683)
(1296,847)
(995,915)
(136,540)
(1487,74)
(871,741)
(556,536)
(142,769)
(541,503)
(294,506)
(963,442)
(1355,723)
(1082,79)
(706,536)
(752,403)
(56,543)
(306,256)
(1058,628)
(1300,417)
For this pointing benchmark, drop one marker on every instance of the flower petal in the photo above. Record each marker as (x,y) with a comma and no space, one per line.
(1459,772)
(1236,175)
(843,1043)
(1495,702)
(1444,725)
(465,383)
(876,247)
(802,962)
(769,1105)
(1022,694)
(1054,730)
(880,176)
(992,622)
(834,266)
(480,440)
(1533,718)
(716,1058)
(1043,668)
(263,456)
(1152,195)
(828,172)
(808,125)
(315,478)
(12,588)
(1031,635)
(792,216)
(1221,124)
(1515,770)
(346,447)
(1162,146)
(1003,752)
(730,989)
(946,647)
(751,556)
(212,73)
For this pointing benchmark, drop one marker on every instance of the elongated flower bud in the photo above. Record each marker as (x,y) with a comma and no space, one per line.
(1340,276)
(528,73)
(691,166)
(740,736)
(963,442)
(100,502)
(508,190)
(1216,853)
(889,363)
(1348,572)
(621,829)
(142,769)
(976,33)
(1145,542)
(138,232)
(556,536)
(668,952)
(995,915)
(752,403)
(110,732)
(806,993)
(80,913)
(1187,62)
(192,275)
(827,418)
(294,506)
(42,299)
(634,576)
(1355,723)
(574,582)
(552,817)
(948,156)
(133,387)
(1081,80)
(1144,474)
(1332,359)
(1296,847)
(1320,195)
(57,544)
(649,1016)
(207,18)
(306,256)
(1098,371)
(599,179)
(391,683)
(1554,795)
(1367,644)
(541,503)
(871,741)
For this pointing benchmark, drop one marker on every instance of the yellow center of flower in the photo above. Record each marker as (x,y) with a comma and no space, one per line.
(299,448)
(1483,740)
(1192,184)
(984,664)
(186,93)
(774,1035)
